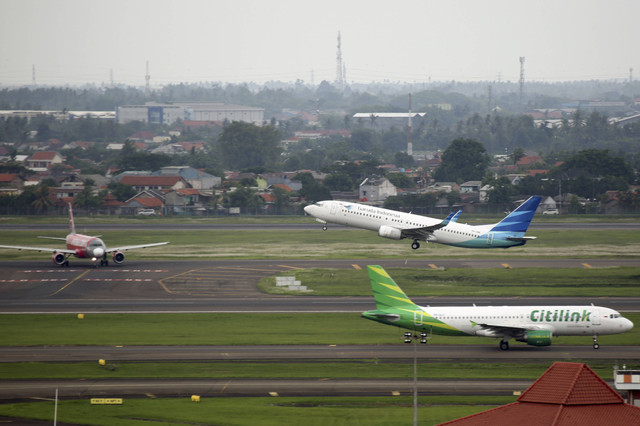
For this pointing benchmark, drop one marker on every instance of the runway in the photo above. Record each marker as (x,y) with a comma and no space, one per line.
(230,286)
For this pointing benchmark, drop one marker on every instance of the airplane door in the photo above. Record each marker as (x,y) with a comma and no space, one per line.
(417,318)
(595,317)
(490,239)
(334,209)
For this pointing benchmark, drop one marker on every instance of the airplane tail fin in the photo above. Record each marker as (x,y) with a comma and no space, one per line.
(385,291)
(519,219)
(72,226)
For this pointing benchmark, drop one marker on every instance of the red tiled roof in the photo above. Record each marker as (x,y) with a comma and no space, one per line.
(149,202)
(187,191)
(7,177)
(566,394)
(283,186)
(43,155)
(570,383)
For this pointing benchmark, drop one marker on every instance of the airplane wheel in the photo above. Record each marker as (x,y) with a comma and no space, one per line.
(415,245)
(596,346)
(324,227)
(504,345)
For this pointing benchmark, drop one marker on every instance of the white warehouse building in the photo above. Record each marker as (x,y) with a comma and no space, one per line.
(158,113)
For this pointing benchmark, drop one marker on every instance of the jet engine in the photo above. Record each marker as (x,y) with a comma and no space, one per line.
(390,232)
(118,257)
(59,258)
(537,337)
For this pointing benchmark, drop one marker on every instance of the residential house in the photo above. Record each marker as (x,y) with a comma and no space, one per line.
(11,184)
(471,186)
(196,178)
(376,190)
(41,161)
(160,183)
(147,199)
(189,201)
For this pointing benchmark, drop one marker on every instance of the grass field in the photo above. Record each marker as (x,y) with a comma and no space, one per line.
(515,282)
(336,243)
(321,411)
(230,329)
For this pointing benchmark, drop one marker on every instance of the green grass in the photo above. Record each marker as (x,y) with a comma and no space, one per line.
(336,243)
(619,281)
(309,369)
(277,411)
(230,329)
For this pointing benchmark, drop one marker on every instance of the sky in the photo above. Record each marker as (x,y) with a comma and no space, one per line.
(77,42)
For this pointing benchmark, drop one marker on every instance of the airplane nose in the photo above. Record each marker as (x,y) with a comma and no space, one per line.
(628,325)
(308,209)
(98,252)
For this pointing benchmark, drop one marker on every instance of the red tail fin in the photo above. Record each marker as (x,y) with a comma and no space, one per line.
(72,226)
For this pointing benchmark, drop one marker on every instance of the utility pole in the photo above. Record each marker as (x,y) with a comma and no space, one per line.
(521,79)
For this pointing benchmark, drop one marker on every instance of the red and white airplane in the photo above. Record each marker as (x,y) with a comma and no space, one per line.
(84,247)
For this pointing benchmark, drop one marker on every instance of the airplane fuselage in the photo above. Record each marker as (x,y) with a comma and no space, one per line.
(85,246)
(486,321)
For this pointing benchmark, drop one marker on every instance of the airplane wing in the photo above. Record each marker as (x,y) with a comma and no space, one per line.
(509,330)
(423,233)
(123,248)
(49,249)
(52,238)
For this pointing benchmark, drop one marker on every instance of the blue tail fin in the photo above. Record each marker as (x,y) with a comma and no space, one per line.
(519,219)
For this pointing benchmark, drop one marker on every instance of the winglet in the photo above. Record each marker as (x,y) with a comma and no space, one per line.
(385,291)
(456,216)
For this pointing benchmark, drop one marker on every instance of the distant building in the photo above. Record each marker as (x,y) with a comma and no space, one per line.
(375,190)
(159,113)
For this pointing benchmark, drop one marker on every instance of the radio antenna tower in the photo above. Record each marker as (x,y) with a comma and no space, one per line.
(33,75)
(521,77)
(340,70)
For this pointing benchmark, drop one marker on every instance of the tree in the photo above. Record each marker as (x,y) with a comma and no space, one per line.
(339,182)
(463,160)
(245,145)
(42,202)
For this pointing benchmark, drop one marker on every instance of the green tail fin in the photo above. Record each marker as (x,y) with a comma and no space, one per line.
(385,291)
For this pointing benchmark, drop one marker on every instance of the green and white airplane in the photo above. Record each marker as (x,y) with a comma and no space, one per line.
(534,325)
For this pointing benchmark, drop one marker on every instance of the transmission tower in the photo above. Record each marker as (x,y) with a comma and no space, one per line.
(33,75)
(521,78)
(340,70)
(147,79)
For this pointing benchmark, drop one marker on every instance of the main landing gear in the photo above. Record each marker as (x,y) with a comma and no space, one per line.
(504,345)
(595,343)
(408,337)
(415,245)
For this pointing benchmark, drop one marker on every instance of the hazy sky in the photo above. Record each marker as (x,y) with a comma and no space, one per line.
(87,41)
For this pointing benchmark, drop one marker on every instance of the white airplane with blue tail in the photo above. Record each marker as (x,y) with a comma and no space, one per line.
(395,225)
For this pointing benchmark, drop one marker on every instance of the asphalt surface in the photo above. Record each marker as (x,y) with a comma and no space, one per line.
(229,286)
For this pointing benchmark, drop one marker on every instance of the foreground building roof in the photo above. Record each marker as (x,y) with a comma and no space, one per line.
(566,394)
